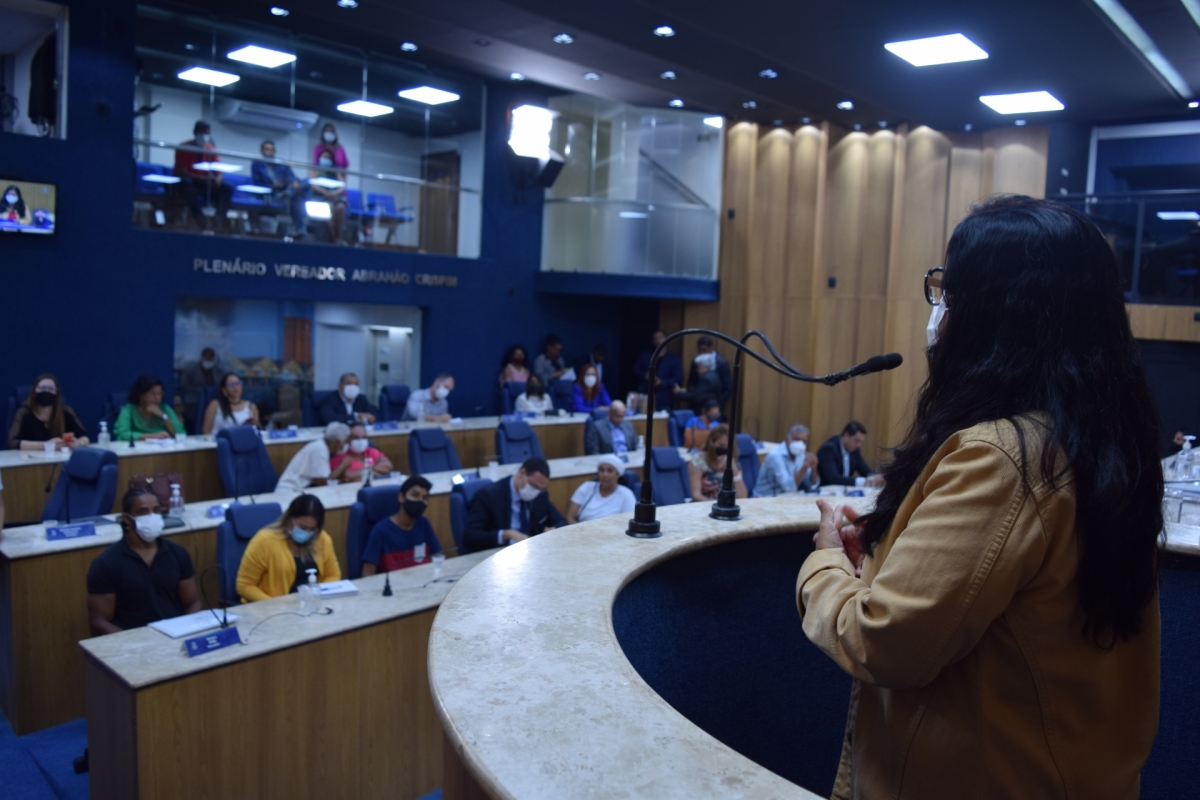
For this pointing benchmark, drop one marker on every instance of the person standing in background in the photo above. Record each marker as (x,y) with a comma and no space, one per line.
(717,365)
(204,372)
(550,366)
(669,373)
(204,190)
(329,155)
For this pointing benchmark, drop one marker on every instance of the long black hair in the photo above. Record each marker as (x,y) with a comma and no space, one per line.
(223,399)
(1035,325)
(143,384)
(19,206)
(512,351)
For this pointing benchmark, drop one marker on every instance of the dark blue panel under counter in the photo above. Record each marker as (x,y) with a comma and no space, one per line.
(658,287)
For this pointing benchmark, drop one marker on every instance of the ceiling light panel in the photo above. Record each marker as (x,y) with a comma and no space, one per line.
(563,38)
(676,103)
(428,95)
(365,108)
(1187,216)
(261,56)
(846,105)
(530,132)
(664,30)
(749,104)
(768,73)
(1022,102)
(516,76)
(714,122)
(669,75)
(279,11)
(591,76)
(348,3)
(408,47)
(948,49)
(209,77)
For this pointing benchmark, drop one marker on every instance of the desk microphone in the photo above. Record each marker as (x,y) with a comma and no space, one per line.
(872,364)
(66,490)
(224,619)
(387,584)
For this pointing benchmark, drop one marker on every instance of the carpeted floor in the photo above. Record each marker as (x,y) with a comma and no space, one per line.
(38,766)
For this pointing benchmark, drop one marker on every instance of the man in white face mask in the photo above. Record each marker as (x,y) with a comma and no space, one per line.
(348,404)
(141,578)
(512,509)
(432,404)
(789,467)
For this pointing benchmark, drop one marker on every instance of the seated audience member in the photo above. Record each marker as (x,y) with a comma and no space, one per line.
(841,457)
(707,467)
(668,375)
(229,409)
(512,509)
(705,347)
(202,189)
(534,399)
(141,578)
(588,393)
(604,497)
(311,464)
(286,189)
(279,556)
(431,405)
(596,359)
(514,365)
(45,418)
(347,404)
(704,385)
(611,434)
(405,539)
(789,467)
(696,432)
(550,366)
(145,416)
(357,453)
(205,372)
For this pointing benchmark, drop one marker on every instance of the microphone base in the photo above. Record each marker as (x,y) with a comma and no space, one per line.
(644,524)
(726,508)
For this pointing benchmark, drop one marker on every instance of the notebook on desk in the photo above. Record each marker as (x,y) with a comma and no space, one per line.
(178,627)
(341,588)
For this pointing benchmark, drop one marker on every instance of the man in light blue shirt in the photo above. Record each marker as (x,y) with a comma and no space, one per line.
(789,467)
(611,434)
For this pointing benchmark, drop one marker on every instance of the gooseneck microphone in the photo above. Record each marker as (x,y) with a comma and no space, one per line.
(873,364)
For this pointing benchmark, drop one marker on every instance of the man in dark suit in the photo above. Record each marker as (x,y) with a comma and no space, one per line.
(512,509)
(704,346)
(841,457)
(668,376)
(348,404)
(611,434)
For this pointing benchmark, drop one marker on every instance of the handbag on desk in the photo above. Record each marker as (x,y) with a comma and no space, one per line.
(160,484)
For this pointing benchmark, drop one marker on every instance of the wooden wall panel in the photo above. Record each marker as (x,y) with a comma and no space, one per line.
(1168,323)
(1018,160)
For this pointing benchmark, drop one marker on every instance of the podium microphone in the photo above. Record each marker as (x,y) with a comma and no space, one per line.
(875,364)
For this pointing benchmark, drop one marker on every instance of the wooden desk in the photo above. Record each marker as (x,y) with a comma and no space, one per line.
(26,474)
(319,706)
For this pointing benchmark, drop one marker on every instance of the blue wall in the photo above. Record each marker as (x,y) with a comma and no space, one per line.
(95,303)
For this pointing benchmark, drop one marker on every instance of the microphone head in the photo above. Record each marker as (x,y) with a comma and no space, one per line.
(892,360)
(881,363)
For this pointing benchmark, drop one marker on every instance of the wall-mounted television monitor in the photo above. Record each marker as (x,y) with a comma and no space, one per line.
(27,207)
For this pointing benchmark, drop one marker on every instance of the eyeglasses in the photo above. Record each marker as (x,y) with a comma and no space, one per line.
(232,384)
(933,286)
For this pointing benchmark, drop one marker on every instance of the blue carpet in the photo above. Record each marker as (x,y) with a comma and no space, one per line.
(21,777)
(436,794)
(54,750)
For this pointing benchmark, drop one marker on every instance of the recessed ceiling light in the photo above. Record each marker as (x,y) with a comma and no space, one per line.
(632,214)
(676,103)
(484,42)
(664,31)
(768,73)
(209,77)
(428,95)
(882,123)
(563,38)
(806,120)
(189,46)
(1020,122)
(365,108)
(348,3)
(261,56)
(516,76)
(714,122)
(967,127)
(316,75)
(408,47)
(591,76)
(858,126)
(530,132)
(1194,104)
(937,50)
(1022,102)
(846,105)
(778,122)
(279,11)
(749,104)
(1191,216)
(669,75)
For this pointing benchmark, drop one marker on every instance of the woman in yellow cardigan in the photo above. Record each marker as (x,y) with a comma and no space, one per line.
(279,556)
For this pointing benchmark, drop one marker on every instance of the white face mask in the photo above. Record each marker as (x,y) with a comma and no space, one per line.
(528,492)
(441,392)
(935,319)
(329,136)
(207,364)
(149,527)
(797,448)
(11,198)
(589,381)
(351,391)
(358,445)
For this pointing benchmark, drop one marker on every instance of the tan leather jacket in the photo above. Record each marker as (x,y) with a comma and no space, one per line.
(963,634)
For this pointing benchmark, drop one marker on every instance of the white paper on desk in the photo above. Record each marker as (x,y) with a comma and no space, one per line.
(178,627)
(456,420)
(341,588)
(569,375)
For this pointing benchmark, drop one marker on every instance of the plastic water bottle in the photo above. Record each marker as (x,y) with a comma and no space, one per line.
(175,505)
(103,439)
(1184,462)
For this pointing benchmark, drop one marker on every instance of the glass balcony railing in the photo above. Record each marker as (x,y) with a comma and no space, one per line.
(231,193)
(1156,238)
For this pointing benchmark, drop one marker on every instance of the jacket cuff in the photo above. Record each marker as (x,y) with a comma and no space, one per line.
(818,562)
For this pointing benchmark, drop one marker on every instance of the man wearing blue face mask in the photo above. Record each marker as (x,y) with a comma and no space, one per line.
(279,557)
(142,578)
(203,188)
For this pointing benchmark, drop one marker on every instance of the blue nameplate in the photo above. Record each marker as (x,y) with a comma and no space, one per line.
(283,434)
(856,493)
(391,425)
(206,643)
(218,511)
(60,532)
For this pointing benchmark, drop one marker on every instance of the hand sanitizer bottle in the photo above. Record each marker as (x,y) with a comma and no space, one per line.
(175,506)
(1184,461)
(103,439)
(312,600)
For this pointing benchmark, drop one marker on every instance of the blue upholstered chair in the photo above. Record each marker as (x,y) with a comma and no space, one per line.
(393,399)
(240,525)
(207,395)
(669,473)
(509,393)
(86,486)
(15,400)
(112,407)
(243,463)
(431,450)
(748,459)
(308,408)
(560,394)
(676,424)
(460,499)
(374,503)
(516,441)
(634,479)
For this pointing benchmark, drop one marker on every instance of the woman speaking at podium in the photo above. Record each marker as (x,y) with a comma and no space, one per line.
(999,609)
